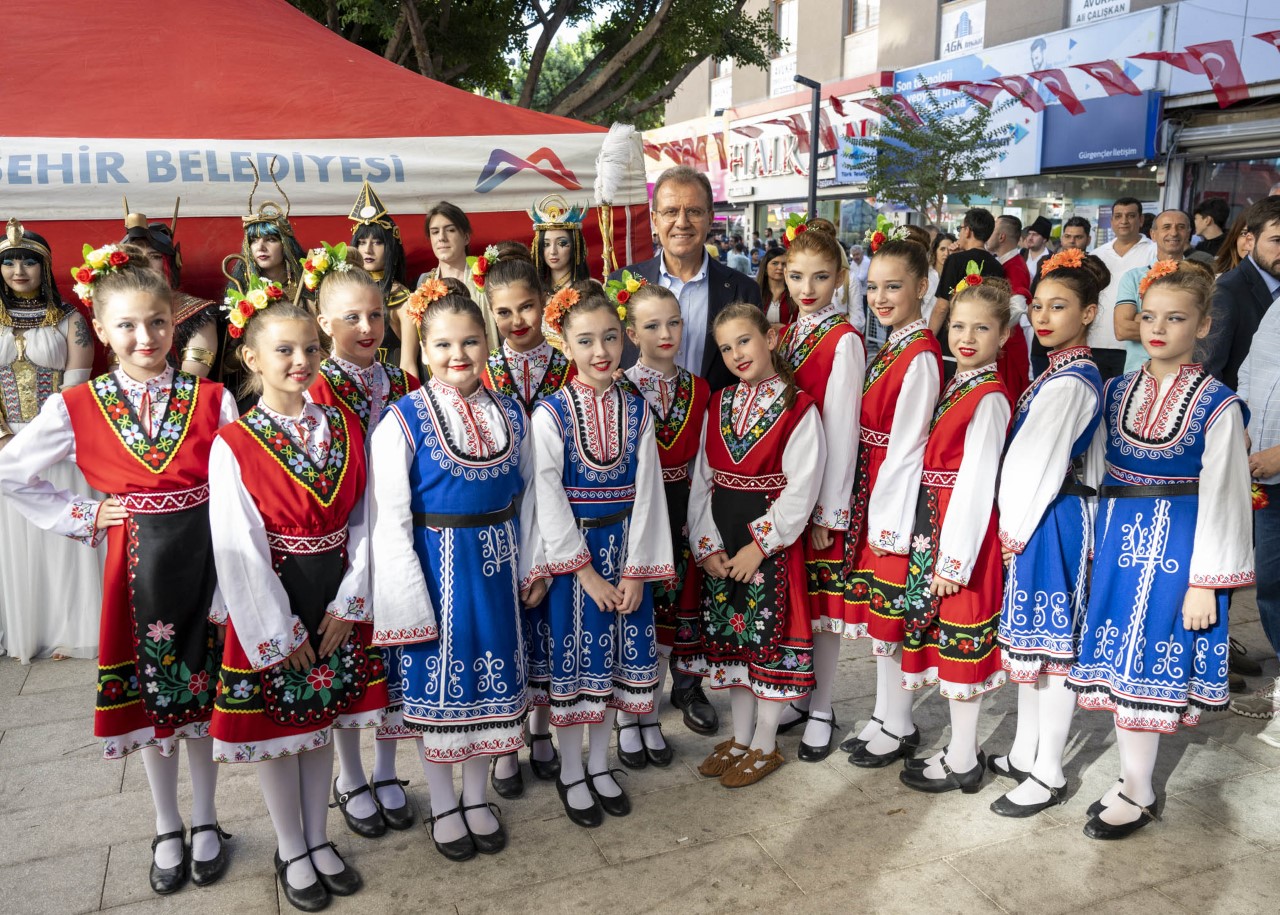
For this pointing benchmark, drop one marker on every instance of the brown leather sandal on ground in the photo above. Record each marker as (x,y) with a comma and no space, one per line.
(721,759)
(748,771)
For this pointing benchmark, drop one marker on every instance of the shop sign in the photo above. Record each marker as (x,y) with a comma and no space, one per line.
(765,157)
(1117,129)
(1084,12)
(963,27)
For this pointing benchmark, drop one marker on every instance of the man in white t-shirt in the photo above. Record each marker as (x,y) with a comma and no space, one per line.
(1129,249)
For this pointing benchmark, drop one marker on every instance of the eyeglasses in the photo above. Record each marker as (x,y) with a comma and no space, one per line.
(671,214)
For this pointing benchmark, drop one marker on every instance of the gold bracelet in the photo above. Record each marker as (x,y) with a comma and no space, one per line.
(196,354)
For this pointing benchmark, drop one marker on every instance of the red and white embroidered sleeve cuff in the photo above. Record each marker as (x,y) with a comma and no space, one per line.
(271,651)
(649,573)
(537,573)
(953,570)
(837,520)
(766,536)
(352,610)
(427,632)
(705,548)
(580,559)
(1009,543)
(83,516)
(887,541)
(1241,579)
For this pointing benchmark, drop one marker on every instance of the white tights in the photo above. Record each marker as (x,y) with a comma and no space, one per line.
(755,721)
(630,739)
(1052,705)
(162,776)
(961,753)
(1138,751)
(296,789)
(893,707)
(475,788)
(597,760)
(826,655)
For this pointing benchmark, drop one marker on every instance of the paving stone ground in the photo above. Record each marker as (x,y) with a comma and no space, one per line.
(75,830)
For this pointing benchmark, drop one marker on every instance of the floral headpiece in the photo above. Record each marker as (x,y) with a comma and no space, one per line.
(1158,270)
(1071,258)
(621,290)
(559,306)
(796,223)
(480,265)
(422,297)
(319,262)
(973,277)
(241,306)
(883,230)
(98,262)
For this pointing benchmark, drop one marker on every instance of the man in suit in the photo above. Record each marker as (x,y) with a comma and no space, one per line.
(682,208)
(1244,294)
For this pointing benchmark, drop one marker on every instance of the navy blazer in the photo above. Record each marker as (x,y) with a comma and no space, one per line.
(1240,299)
(724,287)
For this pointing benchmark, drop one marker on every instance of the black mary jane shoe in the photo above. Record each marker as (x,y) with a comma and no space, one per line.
(548,769)
(491,842)
(205,872)
(865,759)
(969,782)
(511,786)
(308,899)
(618,806)
(1097,806)
(166,880)
(586,817)
(460,849)
(346,882)
(810,753)
(792,725)
(1008,770)
(1004,807)
(851,743)
(632,759)
(660,758)
(372,826)
(1098,828)
(395,817)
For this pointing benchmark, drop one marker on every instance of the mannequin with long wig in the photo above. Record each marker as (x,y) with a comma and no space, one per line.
(559,249)
(376,239)
(50,587)
(195,320)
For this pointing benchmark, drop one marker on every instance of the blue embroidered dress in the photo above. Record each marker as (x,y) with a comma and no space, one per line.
(450,478)
(600,501)
(1173,446)
(1046,517)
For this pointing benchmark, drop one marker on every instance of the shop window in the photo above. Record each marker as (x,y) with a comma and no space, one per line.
(723,68)
(1241,183)
(786,22)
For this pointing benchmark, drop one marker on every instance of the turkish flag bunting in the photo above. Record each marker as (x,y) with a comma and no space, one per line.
(985,93)
(1020,89)
(1222,66)
(748,131)
(1110,77)
(894,101)
(1271,38)
(1180,59)
(719,141)
(1056,82)
(836,105)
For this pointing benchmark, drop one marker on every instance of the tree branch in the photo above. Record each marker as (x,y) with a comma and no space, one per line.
(392,50)
(668,90)
(331,15)
(629,51)
(594,106)
(550,26)
(587,69)
(420,48)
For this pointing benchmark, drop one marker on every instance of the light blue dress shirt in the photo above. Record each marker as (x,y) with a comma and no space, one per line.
(694,308)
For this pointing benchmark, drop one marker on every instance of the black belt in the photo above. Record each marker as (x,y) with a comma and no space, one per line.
(588,524)
(431,519)
(1148,492)
(1072,488)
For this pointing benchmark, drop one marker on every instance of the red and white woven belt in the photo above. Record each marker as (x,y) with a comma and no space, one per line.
(871,437)
(769,481)
(943,479)
(306,546)
(164,503)
(675,474)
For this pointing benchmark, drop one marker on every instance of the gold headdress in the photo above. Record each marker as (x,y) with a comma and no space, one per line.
(554,212)
(16,237)
(270,211)
(369,210)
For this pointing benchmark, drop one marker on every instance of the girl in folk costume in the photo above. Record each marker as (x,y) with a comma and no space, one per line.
(602,513)
(898,399)
(559,248)
(376,238)
(955,575)
(827,357)
(142,433)
(195,320)
(353,317)
(1173,535)
(50,588)
(527,367)
(678,403)
(454,540)
(291,545)
(449,231)
(756,480)
(1046,530)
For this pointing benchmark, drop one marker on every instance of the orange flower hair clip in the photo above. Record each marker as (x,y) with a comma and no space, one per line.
(1071,258)
(423,296)
(1159,270)
(559,306)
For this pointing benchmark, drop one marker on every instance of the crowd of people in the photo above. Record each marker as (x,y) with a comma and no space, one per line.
(512,501)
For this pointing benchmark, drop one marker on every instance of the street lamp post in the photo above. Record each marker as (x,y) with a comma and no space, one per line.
(814,140)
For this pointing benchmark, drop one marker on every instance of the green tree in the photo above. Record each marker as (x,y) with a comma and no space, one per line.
(624,66)
(919,162)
